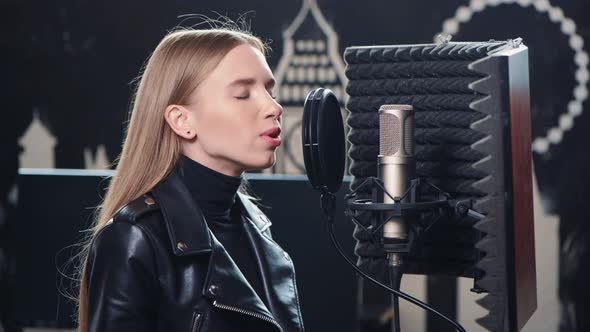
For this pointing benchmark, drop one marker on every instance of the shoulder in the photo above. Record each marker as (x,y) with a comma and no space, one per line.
(134,226)
(120,252)
(133,211)
(144,213)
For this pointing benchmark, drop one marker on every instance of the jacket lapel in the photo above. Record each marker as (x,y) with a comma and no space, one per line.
(184,220)
(275,268)
(227,287)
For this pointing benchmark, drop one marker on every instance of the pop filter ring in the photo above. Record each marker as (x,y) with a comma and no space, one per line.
(310,139)
(323,140)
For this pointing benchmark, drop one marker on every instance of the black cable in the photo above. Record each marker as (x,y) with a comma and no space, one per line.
(395,277)
(376,282)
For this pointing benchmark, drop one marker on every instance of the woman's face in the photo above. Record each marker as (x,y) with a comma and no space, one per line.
(236,120)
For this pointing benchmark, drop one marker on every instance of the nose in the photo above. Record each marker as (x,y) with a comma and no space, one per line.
(274,110)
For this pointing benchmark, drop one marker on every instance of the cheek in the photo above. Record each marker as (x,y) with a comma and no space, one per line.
(225,132)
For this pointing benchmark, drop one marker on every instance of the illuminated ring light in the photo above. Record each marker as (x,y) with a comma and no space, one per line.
(554,135)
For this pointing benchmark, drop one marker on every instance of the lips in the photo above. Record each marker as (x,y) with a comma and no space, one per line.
(273,132)
(272,136)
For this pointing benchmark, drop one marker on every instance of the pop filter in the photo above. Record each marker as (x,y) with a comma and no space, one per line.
(323,140)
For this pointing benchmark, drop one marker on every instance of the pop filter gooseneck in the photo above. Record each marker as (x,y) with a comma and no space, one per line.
(324,157)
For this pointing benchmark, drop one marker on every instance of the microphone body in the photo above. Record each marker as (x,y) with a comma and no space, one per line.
(396,169)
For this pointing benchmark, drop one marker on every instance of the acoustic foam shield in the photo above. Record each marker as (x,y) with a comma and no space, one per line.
(473,140)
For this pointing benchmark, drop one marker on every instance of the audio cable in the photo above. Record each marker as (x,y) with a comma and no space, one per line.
(328,205)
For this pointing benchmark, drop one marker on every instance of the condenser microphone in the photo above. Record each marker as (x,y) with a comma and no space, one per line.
(396,168)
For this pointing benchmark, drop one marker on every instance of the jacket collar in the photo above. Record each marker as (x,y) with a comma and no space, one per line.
(184,219)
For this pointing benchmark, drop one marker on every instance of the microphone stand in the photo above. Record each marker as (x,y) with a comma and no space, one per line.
(328,205)
(395,277)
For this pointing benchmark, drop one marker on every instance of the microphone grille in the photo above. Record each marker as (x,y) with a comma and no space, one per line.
(396,130)
(409,134)
(389,134)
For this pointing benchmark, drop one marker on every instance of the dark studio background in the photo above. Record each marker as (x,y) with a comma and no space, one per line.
(70,63)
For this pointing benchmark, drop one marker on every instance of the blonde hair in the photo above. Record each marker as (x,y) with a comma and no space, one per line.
(174,70)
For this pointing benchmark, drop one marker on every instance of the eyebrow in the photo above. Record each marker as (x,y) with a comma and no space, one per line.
(251,81)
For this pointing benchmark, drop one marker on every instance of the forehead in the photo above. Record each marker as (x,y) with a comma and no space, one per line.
(242,62)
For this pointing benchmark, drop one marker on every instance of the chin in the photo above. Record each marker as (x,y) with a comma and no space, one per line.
(263,164)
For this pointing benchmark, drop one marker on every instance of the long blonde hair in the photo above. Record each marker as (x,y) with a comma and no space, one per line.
(174,70)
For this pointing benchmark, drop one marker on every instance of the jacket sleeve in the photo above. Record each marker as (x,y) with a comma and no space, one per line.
(122,280)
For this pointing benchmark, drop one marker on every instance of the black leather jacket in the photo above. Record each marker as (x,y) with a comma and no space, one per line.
(157,267)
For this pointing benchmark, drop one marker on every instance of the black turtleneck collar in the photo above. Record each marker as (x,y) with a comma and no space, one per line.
(214,192)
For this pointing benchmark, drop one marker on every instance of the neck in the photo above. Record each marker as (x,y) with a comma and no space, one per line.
(219,165)
(213,191)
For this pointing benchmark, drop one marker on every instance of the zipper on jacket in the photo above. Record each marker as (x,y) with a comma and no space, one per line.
(250,313)
(196,321)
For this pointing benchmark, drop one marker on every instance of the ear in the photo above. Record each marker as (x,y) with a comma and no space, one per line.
(179,119)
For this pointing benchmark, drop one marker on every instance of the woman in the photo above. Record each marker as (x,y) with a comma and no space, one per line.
(176,247)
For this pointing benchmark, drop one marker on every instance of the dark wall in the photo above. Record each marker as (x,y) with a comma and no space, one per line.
(74,60)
